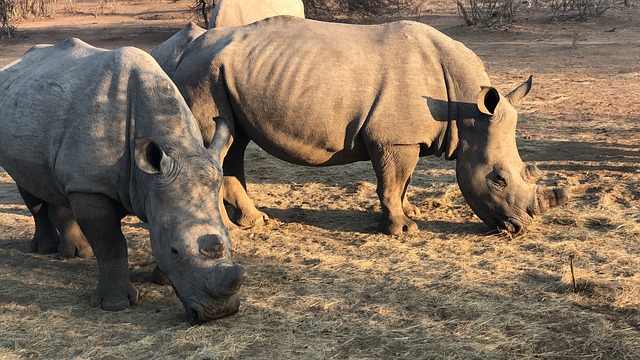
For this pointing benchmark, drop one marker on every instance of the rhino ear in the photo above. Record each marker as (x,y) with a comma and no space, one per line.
(488,100)
(521,91)
(149,156)
(220,139)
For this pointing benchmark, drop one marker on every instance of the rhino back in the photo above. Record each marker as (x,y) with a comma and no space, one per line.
(68,118)
(315,91)
(168,53)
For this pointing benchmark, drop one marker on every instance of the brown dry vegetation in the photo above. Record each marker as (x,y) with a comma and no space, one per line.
(324,284)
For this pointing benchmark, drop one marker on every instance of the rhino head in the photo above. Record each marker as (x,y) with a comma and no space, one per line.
(500,189)
(190,243)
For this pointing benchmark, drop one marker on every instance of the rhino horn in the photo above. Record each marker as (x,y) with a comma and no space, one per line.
(531,174)
(547,198)
(220,139)
(521,91)
(232,278)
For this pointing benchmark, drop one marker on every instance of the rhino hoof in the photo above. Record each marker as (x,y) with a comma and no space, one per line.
(113,298)
(75,246)
(44,245)
(401,224)
(251,220)
(411,210)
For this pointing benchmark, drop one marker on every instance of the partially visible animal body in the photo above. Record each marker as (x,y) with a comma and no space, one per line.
(242,12)
(168,53)
(320,94)
(100,134)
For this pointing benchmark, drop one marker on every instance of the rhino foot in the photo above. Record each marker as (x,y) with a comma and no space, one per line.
(398,225)
(410,209)
(75,246)
(114,296)
(253,219)
(44,244)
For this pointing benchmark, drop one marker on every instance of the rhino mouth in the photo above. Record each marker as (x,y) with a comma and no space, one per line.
(196,314)
(513,226)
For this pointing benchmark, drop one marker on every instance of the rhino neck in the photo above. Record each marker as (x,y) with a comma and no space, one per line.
(446,138)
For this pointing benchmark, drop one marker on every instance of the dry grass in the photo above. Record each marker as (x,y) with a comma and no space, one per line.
(324,284)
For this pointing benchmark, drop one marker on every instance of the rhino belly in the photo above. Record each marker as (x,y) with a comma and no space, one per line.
(312,143)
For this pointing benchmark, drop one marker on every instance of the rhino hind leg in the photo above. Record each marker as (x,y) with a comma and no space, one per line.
(45,240)
(234,186)
(99,218)
(72,241)
(393,166)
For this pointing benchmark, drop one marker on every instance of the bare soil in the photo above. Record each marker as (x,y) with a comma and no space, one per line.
(323,283)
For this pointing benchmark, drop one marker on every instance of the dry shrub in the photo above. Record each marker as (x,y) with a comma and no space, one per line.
(488,13)
(580,9)
(202,10)
(7,24)
(12,11)
(361,11)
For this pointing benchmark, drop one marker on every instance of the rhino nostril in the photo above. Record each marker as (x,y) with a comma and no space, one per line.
(211,246)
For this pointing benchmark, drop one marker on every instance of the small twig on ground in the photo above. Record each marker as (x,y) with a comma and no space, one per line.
(573,277)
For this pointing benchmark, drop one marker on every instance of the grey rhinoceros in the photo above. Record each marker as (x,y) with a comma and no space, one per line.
(104,134)
(319,94)
(242,12)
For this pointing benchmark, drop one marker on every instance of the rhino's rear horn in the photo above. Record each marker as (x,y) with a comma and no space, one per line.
(211,246)
(531,174)
(220,138)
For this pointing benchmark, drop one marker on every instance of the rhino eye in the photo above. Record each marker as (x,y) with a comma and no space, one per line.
(174,251)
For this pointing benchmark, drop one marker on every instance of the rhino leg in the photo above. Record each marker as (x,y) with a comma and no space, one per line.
(99,218)
(72,241)
(45,240)
(393,166)
(234,186)
(408,208)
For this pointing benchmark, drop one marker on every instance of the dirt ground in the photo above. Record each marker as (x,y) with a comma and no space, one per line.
(324,284)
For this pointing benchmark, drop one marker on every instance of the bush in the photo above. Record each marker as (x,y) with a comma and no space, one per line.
(12,11)
(359,11)
(582,9)
(488,12)
(7,24)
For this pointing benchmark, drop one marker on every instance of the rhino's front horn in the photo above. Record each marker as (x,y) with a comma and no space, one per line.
(232,279)
(547,198)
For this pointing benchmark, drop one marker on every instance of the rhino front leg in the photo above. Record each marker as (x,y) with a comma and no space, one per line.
(72,241)
(393,166)
(45,240)
(99,218)
(409,209)
(234,186)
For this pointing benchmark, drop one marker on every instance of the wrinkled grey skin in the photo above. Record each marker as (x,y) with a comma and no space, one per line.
(169,52)
(320,94)
(242,12)
(105,134)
